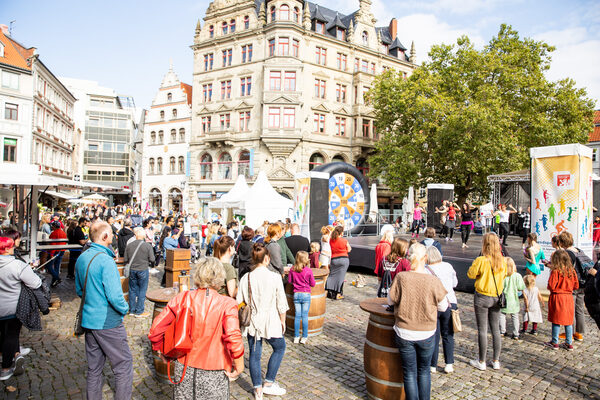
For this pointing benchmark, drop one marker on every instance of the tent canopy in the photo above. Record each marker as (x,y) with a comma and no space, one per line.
(235,197)
(262,202)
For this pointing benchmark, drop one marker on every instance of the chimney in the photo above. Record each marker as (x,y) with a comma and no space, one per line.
(5,29)
(393,28)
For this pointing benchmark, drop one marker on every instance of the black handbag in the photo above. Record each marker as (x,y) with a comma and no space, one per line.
(501,296)
(78,329)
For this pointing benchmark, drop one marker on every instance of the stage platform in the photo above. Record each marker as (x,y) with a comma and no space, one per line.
(363,254)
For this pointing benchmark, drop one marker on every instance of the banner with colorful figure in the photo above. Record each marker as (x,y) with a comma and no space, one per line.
(301,202)
(561,196)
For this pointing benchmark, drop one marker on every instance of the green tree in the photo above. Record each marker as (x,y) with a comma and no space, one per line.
(467,114)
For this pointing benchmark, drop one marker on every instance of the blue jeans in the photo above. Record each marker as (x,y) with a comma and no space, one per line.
(54,266)
(302,304)
(568,333)
(416,361)
(445,329)
(278,345)
(138,284)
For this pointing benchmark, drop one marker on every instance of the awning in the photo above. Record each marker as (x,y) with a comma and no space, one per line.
(59,195)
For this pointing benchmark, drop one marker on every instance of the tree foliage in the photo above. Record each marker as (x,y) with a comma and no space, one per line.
(467,114)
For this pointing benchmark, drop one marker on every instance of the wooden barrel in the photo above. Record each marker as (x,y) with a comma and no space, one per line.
(160,298)
(124,281)
(316,312)
(383,367)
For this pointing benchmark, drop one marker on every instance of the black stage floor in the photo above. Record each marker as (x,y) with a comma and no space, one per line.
(363,254)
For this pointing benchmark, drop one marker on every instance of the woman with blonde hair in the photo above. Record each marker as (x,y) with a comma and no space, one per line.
(217,346)
(489,271)
(325,254)
(274,233)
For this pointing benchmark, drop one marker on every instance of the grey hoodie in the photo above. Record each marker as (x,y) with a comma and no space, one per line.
(12,273)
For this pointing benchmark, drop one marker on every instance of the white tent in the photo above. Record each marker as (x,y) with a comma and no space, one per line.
(235,197)
(262,203)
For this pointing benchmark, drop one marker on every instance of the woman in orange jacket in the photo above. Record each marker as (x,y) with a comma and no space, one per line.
(218,349)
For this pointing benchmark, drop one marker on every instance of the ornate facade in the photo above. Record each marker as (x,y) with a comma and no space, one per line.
(279,86)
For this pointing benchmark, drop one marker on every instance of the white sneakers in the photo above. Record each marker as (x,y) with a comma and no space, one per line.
(297,340)
(477,364)
(449,368)
(23,351)
(304,340)
(433,370)
(496,364)
(274,390)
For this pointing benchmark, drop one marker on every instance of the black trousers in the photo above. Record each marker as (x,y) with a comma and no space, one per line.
(524,233)
(504,229)
(465,232)
(9,340)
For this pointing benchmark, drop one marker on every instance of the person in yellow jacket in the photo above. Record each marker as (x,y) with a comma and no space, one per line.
(489,271)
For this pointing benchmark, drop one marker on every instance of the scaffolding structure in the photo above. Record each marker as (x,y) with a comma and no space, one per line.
(511,188)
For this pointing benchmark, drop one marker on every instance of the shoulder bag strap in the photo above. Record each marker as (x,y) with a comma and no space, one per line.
(85,283)
(134,253)
(493,276)
(249,292)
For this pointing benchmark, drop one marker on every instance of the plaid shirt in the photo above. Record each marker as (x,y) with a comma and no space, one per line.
(526,220)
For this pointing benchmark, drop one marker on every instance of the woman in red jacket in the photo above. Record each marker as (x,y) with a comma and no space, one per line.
(217,340)
(382,250)
(54,265)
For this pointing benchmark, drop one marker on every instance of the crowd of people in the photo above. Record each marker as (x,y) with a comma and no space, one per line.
(238,267)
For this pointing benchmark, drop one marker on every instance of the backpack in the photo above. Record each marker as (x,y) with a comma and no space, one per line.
(582,265)
(386,279)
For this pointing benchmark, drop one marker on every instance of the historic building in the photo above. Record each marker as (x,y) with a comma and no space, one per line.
(165,155)
(279,86)
(37,124)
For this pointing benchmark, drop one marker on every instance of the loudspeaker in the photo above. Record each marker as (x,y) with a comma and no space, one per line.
(319,205)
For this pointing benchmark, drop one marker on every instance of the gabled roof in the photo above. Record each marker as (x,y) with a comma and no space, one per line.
(318,15)
(15,54)
(595,133)
(397,45)
(336,23)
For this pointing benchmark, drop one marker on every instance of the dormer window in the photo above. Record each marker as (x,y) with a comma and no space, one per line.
(246,22)
(211,31)
(320,27)
(224,28)
(284,12)
(340,34)
(386,48)
(365,38)
(273,14)
(232,26)
(169,97)
(296,14)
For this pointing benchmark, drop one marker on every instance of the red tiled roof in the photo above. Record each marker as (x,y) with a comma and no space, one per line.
(188,90)
(14,53)
(595,134)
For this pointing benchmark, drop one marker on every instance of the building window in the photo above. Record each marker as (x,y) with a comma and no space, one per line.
(225,90)
(151,166)
(284,12)
(289,81)
(365,38)
(244,121)
(246,22)
(232,26)
(273,14)
(208,61)
(373,68)
(340,126)
(364,93)
(356,64)
(181,165)
(366,127)
(10,150)
(320,88)
(11,111)
(207,92)
(161,137)
(320,27)
(275,80)
(340,34)
(319,123)
(162,115)
(244,164)
(375,135)
(172,165)
(10,80)
(153,137)
(271,47)
(224,28)
(159,166)
(296,14)
(246,86)
(174,113)
(173,136)
(181,135)
(364,66)
(295,47)
(274,117)
(211,31)
(227,57)
(284,46)
(321,56)
(363,166)
(340,93)
(169,97)
(338,158)
(246,53)
(342,61)
(206,165)
(315,160)
(225,121)
(289,118)
(594,155)
(224,165)
(206,124)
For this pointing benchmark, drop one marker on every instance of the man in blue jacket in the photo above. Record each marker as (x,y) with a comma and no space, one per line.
(102,315)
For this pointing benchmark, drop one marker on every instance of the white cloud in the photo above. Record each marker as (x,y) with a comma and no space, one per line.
(576,57)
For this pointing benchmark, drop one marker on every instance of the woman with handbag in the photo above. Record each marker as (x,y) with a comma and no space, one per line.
(217,348)
(489,271)
(13,273)
(262,291)
(445,326)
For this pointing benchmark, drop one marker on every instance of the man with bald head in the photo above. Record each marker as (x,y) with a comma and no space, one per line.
(102,316)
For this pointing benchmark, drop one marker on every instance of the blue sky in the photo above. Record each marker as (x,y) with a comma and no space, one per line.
(126,45)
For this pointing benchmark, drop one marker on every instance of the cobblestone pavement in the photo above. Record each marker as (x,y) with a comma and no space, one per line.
(330,366)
